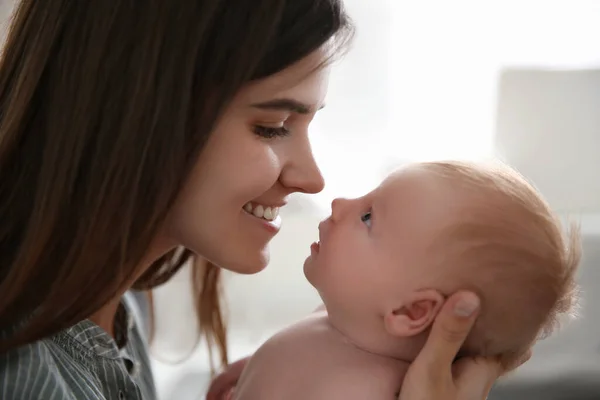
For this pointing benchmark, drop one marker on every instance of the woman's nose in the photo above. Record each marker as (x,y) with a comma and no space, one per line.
(313,181)
(302,174)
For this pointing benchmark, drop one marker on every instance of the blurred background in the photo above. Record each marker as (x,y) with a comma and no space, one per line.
(514,79)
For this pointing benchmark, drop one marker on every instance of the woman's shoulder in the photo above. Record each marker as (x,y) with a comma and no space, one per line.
(81,362)
(30,372)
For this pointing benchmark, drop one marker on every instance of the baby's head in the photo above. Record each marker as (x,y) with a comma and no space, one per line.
(386,261)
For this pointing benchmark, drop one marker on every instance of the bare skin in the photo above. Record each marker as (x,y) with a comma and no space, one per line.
(433,374)
(346,372)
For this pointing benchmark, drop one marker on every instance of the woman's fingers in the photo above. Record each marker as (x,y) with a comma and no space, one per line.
(229,394)
(448,333)
(520,361)
(434,374)
(220,386)
(224,382)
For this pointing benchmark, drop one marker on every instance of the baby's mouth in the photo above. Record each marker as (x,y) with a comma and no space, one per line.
(262,211)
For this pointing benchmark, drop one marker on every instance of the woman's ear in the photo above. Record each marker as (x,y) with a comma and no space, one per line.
(415,315)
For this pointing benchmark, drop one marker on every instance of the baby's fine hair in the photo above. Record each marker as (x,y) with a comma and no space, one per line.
(509,247)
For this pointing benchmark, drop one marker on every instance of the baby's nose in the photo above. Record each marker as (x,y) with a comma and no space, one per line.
(337,208)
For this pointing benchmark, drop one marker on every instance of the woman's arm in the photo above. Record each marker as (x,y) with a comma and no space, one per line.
(434,376)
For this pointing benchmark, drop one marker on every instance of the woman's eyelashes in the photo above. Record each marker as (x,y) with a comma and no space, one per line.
(269,132)
(367,218)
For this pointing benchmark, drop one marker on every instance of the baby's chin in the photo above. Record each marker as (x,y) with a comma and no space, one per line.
(309,269)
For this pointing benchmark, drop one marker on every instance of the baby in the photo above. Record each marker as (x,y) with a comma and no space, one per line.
(385,263)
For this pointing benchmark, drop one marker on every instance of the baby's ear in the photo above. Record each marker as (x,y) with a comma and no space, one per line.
(415,315)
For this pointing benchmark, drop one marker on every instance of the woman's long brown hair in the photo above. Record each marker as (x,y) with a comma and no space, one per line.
(105,106)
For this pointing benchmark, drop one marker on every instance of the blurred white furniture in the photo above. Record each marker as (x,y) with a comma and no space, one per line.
(548,127)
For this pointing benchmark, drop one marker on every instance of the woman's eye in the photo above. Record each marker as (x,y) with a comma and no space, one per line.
(366,218)
(269,132)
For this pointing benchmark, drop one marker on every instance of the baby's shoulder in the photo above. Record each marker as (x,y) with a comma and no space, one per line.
(284,365)
(301,336)
(310,359)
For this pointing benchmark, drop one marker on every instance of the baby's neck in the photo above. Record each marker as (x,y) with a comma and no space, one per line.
(367,337)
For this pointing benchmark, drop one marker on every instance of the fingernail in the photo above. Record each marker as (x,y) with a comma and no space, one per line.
(466,306)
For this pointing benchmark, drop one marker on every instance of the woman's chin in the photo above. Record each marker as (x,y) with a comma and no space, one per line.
(246,260)
(248,269)
(250,265)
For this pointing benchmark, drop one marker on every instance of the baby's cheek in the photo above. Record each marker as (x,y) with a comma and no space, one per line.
(341,256)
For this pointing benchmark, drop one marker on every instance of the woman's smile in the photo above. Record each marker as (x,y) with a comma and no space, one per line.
(262,211)
(266,215)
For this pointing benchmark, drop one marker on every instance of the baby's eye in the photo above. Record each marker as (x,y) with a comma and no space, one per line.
(366,218)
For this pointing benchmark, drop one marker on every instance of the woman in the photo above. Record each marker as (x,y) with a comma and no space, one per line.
(132,129)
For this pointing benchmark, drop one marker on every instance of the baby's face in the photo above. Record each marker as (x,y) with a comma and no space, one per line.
(373,250)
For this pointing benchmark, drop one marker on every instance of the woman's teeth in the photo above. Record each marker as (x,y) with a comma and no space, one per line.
(260,211)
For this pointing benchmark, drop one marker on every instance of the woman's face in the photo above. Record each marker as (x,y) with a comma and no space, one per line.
(256,157)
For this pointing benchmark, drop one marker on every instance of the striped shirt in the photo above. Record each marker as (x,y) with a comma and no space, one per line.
(82,362)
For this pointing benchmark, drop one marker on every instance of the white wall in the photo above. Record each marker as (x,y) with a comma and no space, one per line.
(548,128)
(6,7)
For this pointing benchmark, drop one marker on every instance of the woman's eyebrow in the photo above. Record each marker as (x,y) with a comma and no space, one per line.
(286,104)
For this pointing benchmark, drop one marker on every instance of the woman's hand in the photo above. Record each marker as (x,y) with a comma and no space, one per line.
(223,384)
(434,376)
